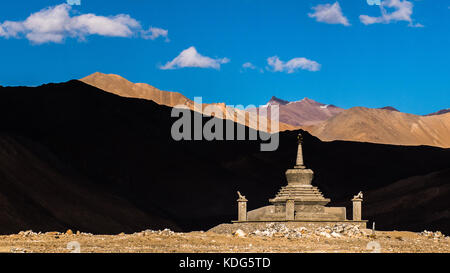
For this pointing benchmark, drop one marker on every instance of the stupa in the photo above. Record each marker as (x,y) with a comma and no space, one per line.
(299,201)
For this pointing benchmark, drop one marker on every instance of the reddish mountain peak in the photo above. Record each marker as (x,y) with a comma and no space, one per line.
(310,102)
(305,99)
(276,101)
(303,112)
(390,108)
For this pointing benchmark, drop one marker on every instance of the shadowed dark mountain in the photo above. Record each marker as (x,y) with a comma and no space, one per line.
(38,193)
(440,112)
(410,202)
(74,156)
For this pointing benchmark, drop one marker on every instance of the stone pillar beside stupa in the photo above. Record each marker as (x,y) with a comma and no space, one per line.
(357,207)
(242,208)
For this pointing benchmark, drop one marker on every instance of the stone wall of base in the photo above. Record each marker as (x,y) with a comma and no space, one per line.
(251,226)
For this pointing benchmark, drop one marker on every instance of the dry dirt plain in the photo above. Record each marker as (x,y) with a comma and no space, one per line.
(169,242)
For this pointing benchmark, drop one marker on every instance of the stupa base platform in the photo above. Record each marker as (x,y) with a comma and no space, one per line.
(301,213)
(250,226)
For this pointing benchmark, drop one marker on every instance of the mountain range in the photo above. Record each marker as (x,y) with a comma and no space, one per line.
(120,86)
(75,156)
(385,125)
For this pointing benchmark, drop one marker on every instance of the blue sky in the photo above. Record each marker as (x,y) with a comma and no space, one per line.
(347,54)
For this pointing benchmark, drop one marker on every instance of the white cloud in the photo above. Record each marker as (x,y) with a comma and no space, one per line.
(153,33)
(74,2)
(54,24)
(191,58)
(88,24)
(330,14)
(403,10)
(291,66)
(248,65)
(10,29)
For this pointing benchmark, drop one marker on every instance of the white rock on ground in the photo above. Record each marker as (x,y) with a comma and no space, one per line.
(239,233)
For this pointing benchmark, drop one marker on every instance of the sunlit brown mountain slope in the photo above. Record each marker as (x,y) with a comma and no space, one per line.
(120,86)
(387,127)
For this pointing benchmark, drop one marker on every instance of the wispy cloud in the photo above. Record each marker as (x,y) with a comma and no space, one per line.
(191,58)
(153,33)
(74,2)
(330,14)
(54,24)
(403,11)
(248,65)
(293,65)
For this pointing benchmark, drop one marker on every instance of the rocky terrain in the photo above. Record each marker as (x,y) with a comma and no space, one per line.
(274,239)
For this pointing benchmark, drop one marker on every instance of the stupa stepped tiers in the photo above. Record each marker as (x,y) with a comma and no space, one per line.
(299,203)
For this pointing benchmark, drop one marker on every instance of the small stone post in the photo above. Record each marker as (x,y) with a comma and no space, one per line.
(290,209)
(357,201)
(242,208)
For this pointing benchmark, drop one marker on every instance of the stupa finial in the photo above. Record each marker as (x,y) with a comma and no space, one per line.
(300,138)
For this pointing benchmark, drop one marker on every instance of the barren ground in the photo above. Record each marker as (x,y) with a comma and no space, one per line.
(212,242)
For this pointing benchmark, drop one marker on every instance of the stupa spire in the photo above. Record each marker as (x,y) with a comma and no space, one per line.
(299,163)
